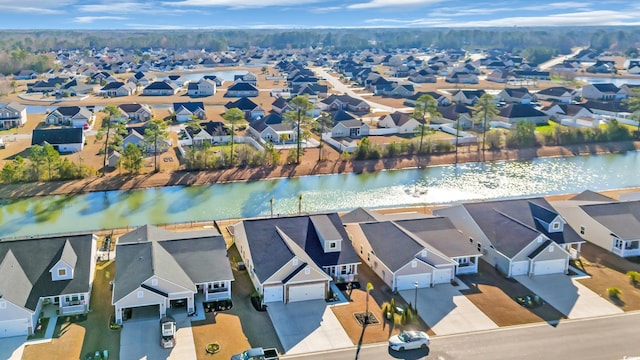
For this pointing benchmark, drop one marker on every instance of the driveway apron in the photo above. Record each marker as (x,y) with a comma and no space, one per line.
(447,311)
(568,296)
(307,326)
(140,339)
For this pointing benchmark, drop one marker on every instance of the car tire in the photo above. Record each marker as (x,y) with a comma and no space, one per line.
(401,348)
(423,346)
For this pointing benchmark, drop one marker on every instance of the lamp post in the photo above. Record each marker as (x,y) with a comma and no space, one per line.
(415,300)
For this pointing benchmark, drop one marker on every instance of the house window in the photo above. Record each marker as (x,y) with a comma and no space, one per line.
(463,261)
(344,270)
(307,271)
(361,249)
(154,282)
(556,226)
(581,230)
(479,247)
(423,253)
(414,264)
(140,294)
(471,240)
(332,245)
(618,243)
(295,262)
(62,272)
(3,304)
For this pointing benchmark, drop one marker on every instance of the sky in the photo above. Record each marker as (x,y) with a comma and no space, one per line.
(292,14)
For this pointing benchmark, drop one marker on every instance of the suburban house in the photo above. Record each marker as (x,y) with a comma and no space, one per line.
(204,87)
(461,78)
(272,128)
(453,113)
(64,140)
(118,88)
(136,137)
(247,78)
(136,112)
(213,132)
(344,102)
(609,224)
(185,111)
(567,114)
(162,269)
(160,88)
(50,275)
(250,109)
(242,89)
(295,258)
(611,109)
(427,251)
(439,98)
(12,115)
(516,95)
(345,125)
(280,105)
(75,116)
(467,97)
(25,75)
(517,237)
(514,113)
(139,79)
(602,92)
(556,93)
(403,122)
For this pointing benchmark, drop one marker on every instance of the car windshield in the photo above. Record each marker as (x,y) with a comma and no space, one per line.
(404,337)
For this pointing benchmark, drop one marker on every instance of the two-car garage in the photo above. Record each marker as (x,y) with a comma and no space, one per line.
(295,292)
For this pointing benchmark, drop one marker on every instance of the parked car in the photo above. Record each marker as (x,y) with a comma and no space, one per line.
(257,354)
(167,332)
(407,340)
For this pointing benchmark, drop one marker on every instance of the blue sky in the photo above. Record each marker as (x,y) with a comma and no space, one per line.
(284,14)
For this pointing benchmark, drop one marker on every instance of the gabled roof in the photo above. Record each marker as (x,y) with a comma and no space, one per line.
(273,120)
(391,245)
(57,136)
(131,108)
(161,85)
(572,109)
(589,195)
(621,218)
(555,91)
(183,258)
(517,92)
(243,103)
(242,86)
(13,106)
(25,265)
(440,233)
(341,115)
(361,215)
(452,111)
(514,111)
(270,251)
(400,118)
(192,107)
(606,87)
(112,86)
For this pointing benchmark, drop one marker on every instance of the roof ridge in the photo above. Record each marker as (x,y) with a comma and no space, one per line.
(515,220)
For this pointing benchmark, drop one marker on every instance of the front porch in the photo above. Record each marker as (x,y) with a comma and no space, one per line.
(467,265)
(342,273)
(215,290)
(66,305)
(573,249)
(626,248)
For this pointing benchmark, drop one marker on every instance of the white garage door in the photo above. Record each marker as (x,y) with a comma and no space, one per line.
(407,282)
(272,293)
(549,267)
(306,292)
(9,328)
(442,276)
(519,268)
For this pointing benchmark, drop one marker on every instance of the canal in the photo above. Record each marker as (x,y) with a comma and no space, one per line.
(410,187)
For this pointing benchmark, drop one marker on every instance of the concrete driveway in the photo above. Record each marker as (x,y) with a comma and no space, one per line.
(307,326)
(140,339)
(571,298)
(12,347)
(447,311)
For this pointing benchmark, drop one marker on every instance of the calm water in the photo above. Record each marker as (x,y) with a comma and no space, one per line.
(444,184)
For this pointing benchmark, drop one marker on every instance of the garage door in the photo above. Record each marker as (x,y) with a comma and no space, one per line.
(9,328)
(442,276)
(519,268)
(306,292)
(407,282)
(549,267)
(272,293)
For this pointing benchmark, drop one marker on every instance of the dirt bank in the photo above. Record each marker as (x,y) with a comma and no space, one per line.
(308,167)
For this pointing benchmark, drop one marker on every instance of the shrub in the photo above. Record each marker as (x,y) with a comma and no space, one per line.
(634,276)
(614,292)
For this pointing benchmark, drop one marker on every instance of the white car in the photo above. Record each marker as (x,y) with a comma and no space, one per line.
(409,340)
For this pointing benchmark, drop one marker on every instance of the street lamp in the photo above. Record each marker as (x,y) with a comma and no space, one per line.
(415,300)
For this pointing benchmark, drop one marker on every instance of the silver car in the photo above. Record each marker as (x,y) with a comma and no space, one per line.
(407,340)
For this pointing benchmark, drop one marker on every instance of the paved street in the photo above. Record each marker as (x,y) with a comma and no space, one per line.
(589,339)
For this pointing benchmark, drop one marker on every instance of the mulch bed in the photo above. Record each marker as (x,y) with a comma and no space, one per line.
(361,318)
(344,286)
(219,305)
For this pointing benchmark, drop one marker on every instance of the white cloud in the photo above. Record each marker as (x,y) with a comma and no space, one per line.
(586,18)
(325,9)
(90,19)
(132,8)
(240,4)
(34,6)
(391,3)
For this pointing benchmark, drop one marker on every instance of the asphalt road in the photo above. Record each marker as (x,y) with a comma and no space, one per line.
(612,337)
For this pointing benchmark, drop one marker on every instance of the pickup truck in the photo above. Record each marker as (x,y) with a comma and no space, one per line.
(257,354)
